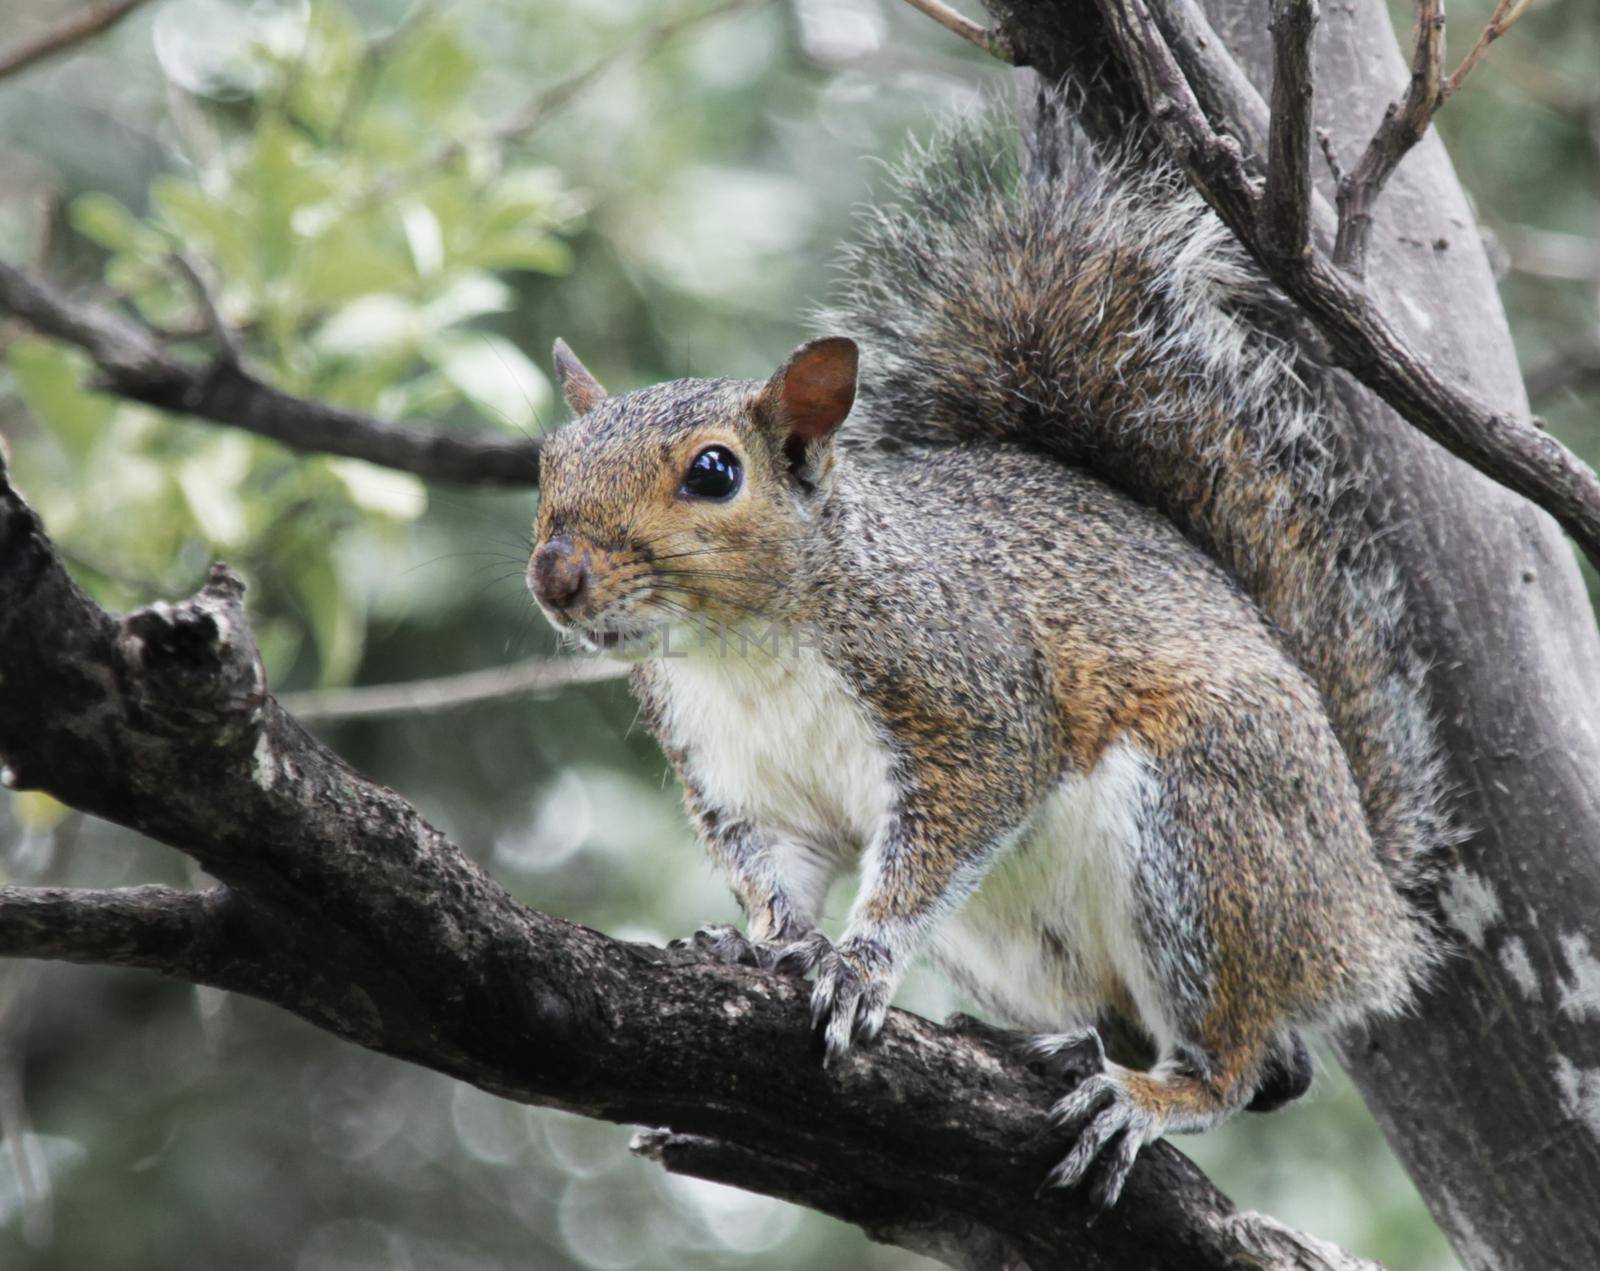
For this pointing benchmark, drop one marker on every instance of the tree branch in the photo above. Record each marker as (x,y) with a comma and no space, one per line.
(1287,205)
(353,912)
(1406,121)
(159,928)
(1404,124)
(1505,447)
(1505,14)
(133,363)
(70,32)
(992,42)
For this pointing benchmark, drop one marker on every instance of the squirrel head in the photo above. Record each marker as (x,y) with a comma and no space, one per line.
(686,502)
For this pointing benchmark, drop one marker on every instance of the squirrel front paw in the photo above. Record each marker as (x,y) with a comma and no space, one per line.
(850,999)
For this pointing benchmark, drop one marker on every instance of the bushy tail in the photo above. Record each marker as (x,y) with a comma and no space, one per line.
(1097,313)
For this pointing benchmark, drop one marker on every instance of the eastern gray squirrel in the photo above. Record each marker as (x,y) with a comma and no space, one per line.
(1074,640)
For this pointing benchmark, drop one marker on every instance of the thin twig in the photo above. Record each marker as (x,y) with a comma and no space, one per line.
(1504,17)
(450,692)
(1404,124)
(542,105)
(1331,155)
(71,31)
(991,41)
(1287,208)
(222,335)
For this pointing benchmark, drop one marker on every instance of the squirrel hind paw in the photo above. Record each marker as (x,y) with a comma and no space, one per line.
(1066,1057)
(1111,1129)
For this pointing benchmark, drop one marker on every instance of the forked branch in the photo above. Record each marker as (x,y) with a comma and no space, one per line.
(1404,124)
(1509,449)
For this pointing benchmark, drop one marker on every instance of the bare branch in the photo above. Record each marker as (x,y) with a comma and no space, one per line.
(154,927)
(70,32)
(226,341)
(350,910)
(992,42)
(134,364)
(1505,15)
(1509,449)
(450,692)
(1330,155)
(1287,207)
(1404,124)
(544,104)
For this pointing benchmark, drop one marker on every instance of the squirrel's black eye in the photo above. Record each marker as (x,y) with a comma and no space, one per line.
(714,473)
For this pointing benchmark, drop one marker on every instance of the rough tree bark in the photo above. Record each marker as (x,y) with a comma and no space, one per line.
(339,903)
(1490,1094)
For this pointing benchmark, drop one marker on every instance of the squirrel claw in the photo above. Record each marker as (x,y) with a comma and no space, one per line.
(1111,1130)
(850,999)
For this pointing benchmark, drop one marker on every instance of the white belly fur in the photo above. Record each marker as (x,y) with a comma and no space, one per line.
(1071,875)
(782,741)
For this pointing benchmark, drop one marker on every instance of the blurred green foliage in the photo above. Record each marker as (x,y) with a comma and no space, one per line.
(398,207)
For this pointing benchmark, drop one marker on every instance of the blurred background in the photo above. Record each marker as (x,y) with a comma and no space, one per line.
(400,206)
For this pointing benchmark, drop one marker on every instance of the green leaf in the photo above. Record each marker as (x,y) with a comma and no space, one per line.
(433,70)
(209,225)
(397,495)
(494,374)
(424,237)
(346,261)
(375,324)
(471,295)
(335,614)
(104,220)
(528,249)
(328,67)
(210,481)
(50,379)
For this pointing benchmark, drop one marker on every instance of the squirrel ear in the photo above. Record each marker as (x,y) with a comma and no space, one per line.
(582,390)
(810,394)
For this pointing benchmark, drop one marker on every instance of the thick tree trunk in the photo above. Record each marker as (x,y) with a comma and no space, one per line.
(1490,1093)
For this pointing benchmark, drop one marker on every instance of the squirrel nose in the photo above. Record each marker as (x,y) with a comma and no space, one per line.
(559,573)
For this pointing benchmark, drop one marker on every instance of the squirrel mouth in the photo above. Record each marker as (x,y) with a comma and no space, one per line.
(621,641)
